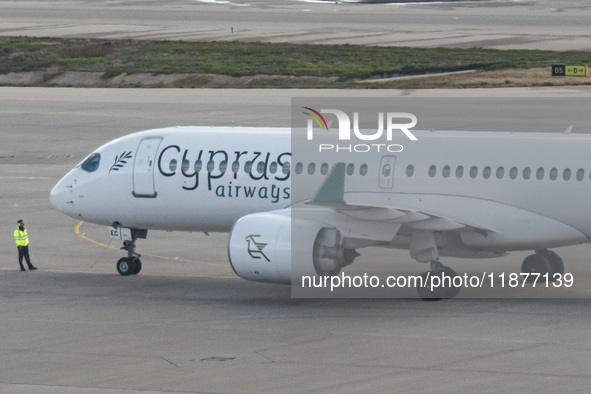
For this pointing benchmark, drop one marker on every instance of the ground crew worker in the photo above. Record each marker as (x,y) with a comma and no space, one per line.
(22,243)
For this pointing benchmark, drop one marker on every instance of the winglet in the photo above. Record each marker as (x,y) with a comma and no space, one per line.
(332,190)
(569,129)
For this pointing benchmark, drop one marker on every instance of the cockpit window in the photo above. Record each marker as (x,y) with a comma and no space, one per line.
(91,164)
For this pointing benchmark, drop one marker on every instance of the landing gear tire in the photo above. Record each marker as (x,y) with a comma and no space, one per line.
(555,262)
(137,265)
(436,293)
(124,266)
(452,291)
(536,264)
(426,292)
(129,266)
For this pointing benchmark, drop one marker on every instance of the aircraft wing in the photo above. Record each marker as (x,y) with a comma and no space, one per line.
(375,218)
(331,194)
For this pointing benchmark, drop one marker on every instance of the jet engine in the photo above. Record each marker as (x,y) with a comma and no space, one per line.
(276,247)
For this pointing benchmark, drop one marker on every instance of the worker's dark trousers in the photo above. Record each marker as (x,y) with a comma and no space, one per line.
(24,251)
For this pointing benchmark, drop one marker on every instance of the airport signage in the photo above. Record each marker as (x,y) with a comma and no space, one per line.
(570,71)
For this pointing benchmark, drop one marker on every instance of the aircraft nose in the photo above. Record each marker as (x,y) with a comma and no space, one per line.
(61,196)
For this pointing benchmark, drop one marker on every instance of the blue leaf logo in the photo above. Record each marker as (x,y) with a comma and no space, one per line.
(120,161)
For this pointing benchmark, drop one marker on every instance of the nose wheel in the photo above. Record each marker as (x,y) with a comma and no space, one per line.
(129,266)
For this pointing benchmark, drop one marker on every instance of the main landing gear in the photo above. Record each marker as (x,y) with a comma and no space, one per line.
(438,283)
(130,265)
(543,262)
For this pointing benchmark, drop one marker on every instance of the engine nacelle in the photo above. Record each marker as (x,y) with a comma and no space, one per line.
(262,247)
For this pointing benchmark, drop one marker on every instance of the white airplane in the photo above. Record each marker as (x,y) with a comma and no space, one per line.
(460,194)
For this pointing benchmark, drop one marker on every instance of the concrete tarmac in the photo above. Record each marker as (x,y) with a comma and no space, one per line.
(186,323)
(501,24)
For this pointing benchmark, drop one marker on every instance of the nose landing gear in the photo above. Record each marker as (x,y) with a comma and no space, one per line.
(130,265)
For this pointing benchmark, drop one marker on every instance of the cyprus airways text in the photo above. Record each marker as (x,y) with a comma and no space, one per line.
(224,170)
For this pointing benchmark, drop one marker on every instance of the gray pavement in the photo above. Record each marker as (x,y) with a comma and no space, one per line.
(187,324)
(502,24)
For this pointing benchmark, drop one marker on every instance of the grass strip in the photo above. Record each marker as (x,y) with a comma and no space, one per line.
(345,63)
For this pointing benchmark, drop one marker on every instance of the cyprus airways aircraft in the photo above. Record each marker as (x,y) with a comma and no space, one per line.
(461,194)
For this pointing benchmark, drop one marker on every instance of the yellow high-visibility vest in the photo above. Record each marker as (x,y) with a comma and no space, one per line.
(20,237)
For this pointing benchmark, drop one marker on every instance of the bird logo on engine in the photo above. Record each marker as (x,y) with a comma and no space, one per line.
(255,249)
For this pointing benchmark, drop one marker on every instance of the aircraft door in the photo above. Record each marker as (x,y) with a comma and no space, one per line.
(386,176)
(143,168)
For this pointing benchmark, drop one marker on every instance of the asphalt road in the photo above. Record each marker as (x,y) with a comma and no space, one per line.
(528,24)
(187,324)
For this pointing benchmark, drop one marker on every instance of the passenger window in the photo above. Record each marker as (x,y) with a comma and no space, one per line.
(172,165)
(235,167)
(580,174)
(273,167)
(459,172)
(500,173)
(526,173)
(446,171)
(210,166)
(261,167)
(553,174)
(299,168)
(410,170)
(91,164)
(186,165)
(311,168)
(285,168)
(363,170)
(473,172)
(350,169)
(223,166)
(513,172)
(540,173)
(566,174)
(486,172)
(324,168)
(198,165)
(432,171)
(248,167)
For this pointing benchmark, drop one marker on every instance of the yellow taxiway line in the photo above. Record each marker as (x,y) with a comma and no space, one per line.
(77,231)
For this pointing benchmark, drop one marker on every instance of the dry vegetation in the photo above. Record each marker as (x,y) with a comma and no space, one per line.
(273,65)
(495,78)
